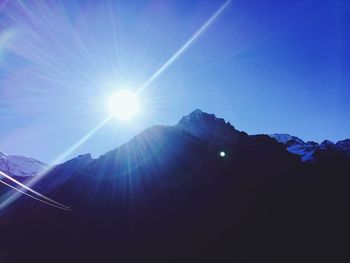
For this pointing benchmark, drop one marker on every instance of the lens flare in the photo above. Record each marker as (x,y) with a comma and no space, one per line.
(185,46)
(26,188)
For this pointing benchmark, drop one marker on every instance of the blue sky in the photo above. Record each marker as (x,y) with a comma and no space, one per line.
(265,66)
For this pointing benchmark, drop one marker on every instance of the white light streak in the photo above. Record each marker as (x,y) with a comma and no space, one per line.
(31,196)
(82,140)
(32,182)
(185,46)
(31,190)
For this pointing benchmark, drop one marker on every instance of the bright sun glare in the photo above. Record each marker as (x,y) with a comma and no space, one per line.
(123,104)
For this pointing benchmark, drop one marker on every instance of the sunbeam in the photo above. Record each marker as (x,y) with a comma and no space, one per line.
(185,46)
(81,141)
(38,177)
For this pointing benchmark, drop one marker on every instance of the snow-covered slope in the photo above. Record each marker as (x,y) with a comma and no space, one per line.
(343,146)
(14,165)
(306,150)
(297,146)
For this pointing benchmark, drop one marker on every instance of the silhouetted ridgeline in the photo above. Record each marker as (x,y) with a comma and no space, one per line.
(167,196)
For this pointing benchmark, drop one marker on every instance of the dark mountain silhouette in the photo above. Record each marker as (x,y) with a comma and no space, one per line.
(168,196)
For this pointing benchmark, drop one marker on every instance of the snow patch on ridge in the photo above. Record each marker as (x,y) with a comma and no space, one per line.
(306,150)
(15,165)
(297,146)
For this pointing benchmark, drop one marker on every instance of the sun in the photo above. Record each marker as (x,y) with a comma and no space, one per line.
(123,104)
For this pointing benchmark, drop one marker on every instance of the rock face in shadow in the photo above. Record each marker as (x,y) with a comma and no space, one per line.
(168,196)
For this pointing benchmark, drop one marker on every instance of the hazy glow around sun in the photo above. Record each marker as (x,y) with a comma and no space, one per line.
(123,104)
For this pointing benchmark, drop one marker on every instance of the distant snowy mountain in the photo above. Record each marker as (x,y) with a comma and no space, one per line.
(15,165)
(343,146)
(306,150)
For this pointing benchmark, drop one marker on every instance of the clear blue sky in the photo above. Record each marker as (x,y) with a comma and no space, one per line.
(266,66)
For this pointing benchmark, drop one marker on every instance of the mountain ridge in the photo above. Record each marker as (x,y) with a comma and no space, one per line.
(169,195)
(205,126)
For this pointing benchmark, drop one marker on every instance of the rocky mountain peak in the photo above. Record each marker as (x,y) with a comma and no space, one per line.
(207,126)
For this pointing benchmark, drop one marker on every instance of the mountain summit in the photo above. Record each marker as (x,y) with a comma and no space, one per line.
(170,196)
(208,127)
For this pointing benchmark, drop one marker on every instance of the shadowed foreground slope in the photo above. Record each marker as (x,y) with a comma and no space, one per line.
(167,196)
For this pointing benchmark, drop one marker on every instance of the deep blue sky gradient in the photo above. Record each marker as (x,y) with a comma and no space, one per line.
(266,66)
